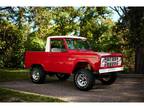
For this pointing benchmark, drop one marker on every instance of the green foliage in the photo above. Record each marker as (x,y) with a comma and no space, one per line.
(19,16)
(121,32)
(108,41)
(55,21)
(93,23)
(13,74)
(34,43)
(65,20)
(131,27)
(11,45)
(41,17)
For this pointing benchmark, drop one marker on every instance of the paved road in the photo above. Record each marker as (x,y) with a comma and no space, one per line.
(125,89)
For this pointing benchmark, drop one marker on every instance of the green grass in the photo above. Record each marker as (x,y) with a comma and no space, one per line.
(8,95)
(13,74)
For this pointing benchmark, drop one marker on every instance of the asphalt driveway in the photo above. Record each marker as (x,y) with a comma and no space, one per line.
(125,89)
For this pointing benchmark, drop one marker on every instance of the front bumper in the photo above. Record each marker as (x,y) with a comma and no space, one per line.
(107,70)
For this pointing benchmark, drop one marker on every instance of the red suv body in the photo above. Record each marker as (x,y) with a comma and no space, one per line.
(66,55)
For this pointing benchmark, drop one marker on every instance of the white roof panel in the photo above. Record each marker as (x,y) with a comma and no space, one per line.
(77,37)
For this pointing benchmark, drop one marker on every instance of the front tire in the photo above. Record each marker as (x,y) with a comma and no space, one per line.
(108,78)
(84,79)
(62,76)
(37,75)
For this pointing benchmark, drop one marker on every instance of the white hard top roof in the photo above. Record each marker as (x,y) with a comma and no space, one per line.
(67,36)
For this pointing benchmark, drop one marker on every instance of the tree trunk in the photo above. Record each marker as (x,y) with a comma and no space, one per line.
(139,60)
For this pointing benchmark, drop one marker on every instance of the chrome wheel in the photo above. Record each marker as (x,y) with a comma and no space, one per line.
(82,80)
(36,74)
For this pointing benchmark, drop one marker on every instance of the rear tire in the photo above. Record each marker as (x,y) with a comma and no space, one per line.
(108,78)
(62,76)
(37,75)
(84,79)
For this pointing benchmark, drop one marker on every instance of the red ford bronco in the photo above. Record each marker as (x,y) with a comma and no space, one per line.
(67,55)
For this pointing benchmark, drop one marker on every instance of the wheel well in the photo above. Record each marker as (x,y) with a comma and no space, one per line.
(37,65)
(82,65)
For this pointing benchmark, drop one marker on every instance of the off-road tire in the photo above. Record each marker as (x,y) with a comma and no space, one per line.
(37,75)
(84,79)
(109,79)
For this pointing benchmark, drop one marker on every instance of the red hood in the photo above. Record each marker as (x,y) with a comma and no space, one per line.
(89,52)
(109,54)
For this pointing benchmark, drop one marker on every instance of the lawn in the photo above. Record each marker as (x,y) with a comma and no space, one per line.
(8,95)
(13,74)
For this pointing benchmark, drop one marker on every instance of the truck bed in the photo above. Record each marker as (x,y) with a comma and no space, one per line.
(51,62)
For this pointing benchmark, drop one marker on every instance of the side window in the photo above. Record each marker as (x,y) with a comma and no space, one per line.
(70,43)
(57,45)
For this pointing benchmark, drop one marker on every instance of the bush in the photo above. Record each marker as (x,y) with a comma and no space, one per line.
(34,43)
(11,45)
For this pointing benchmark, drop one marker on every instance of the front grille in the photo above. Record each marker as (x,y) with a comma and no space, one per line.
(111,61)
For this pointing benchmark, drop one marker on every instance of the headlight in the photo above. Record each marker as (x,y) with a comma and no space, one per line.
(103,62)
(111,61)
(119,60)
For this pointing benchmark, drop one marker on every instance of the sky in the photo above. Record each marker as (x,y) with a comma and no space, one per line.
(115,16)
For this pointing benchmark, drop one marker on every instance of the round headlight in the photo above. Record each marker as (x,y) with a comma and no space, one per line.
(103,62)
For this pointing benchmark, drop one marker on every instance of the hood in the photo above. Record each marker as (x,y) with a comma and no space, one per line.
(108,54)
(103,53)
(90,52)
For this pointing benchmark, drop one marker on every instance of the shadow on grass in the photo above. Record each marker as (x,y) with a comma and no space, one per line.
(8,95)
(13,74)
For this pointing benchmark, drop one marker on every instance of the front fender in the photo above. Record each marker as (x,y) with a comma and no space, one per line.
(83,61)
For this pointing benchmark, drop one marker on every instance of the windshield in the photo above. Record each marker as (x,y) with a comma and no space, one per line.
(79,44)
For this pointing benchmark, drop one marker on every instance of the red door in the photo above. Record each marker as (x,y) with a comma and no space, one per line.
(58,57)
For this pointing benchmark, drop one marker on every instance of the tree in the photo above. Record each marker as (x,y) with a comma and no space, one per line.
(93,23)
(136,37)
(132,19)
(11,45)
(19,16)
(65,20)
(110,40)
(14,29)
